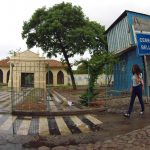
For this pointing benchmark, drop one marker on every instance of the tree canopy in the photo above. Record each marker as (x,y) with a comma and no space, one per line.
(63,29)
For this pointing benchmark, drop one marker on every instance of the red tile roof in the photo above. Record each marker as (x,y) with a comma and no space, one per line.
(4,62)
(55,63)
(51,63)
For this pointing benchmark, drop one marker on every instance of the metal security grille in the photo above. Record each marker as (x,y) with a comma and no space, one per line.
(28,86)
(115,91)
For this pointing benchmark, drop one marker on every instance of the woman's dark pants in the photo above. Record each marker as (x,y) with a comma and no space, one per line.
(137,91)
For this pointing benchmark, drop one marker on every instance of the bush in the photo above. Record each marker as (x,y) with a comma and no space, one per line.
(86,98)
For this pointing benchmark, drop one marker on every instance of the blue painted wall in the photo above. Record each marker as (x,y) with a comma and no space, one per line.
(119,37)
(123,70)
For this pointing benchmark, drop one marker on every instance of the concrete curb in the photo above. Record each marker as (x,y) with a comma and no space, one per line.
(60,113)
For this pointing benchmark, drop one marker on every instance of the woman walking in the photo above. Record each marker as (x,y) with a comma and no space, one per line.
(136,89)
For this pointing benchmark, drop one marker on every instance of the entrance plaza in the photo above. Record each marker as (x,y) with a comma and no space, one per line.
(61,124)
(85,130)
(72,127)
(39,111)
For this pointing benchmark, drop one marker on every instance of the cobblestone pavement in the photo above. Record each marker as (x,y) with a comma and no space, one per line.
(135,140)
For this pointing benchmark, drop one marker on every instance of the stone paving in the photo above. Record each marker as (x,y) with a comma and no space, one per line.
(48,126)
(135,140)
(5,102)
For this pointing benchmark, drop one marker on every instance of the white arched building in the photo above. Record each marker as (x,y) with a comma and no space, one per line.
(28,69)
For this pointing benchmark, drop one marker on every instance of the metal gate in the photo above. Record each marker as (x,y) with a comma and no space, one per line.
(118,92)
(29,93)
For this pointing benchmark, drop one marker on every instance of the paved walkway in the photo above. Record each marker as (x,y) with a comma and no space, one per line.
(56,125)
(83,132)
(135,140)
(45,126)
(5,102)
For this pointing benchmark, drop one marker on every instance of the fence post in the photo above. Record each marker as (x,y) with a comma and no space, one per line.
(106,90)
(12,65)
(146,73)
(88,84)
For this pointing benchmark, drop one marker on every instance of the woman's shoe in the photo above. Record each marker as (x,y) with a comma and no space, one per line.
(127,115)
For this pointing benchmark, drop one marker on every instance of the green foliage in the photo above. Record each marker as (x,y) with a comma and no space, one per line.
(63,29)
(87,97)
(108,71)
(96,66)
(82,69)
(12,53)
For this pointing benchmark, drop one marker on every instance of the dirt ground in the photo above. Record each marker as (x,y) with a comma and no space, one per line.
(101,99)
(69,93)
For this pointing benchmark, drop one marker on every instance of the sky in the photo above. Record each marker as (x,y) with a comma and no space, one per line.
(14,12)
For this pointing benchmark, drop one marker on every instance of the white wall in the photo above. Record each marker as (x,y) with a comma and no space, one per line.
(82,79)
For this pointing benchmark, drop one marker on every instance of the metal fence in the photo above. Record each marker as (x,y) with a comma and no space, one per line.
(30,93)
(118,93)
(28,87)
(5,101)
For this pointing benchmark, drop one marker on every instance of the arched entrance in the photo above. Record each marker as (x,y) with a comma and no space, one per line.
(27,79)
(8,76)
(1,76)
(60,78)
(49,77)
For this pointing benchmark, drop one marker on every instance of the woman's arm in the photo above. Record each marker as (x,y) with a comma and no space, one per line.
(131,89)
(142,82)
(138,79)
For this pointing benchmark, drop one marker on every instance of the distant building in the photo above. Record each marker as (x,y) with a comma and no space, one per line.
(129,38)
(28,69)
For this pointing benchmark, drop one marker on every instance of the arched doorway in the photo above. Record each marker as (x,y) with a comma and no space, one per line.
(60,78)
(27,79)
(1,76)
(8,76)
(49,77)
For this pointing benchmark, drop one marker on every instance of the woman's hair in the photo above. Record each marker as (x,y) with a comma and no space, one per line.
(136,69)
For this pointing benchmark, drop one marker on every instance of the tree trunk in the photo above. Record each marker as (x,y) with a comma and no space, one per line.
(70,70)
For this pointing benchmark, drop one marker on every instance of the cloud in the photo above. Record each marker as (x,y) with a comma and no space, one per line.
(14,12)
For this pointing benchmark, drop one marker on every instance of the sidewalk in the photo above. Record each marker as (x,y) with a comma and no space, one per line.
(117,133)
(135,140)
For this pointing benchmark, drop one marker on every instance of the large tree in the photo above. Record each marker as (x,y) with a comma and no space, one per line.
(63,29)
